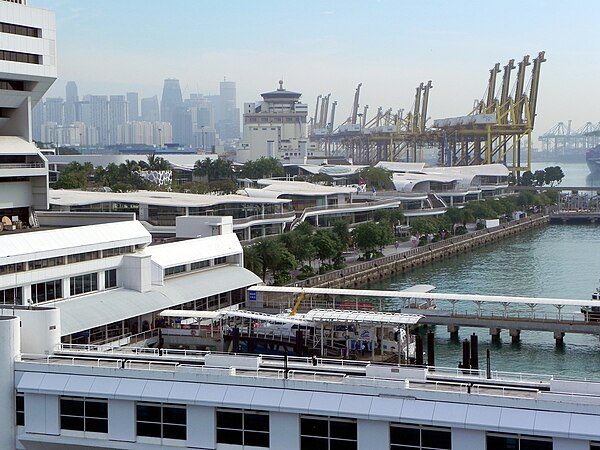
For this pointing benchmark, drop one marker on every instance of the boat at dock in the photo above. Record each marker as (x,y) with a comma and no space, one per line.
(592,158)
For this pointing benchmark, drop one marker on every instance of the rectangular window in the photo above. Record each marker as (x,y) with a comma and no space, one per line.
(20,410)
(498,441)
(161,420)
(115,251)
(12,296)
(48,262)
(12,268)
(199,265)
(12,85)
(28,58)
(84,414)
(221,260)
(240,427)
(79,257)
(110,278)
(170,271)
(43,292)
(404,437)
(84,283)
(21,30)
(327,433)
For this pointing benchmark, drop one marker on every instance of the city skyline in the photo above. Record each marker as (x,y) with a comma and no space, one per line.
(330,47)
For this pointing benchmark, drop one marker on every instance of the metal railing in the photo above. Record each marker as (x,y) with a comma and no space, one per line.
(33,165)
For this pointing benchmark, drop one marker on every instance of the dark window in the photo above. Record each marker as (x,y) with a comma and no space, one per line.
(48,262)
(170,271)
(517,442)
(161,420)
(12,85)
(221,260)
(110,278)
(79,257)
(27,58)
(84,283)
(50,290)
(84,414)
(12,296)
(20,407)
(327,433)
(199,265)
(239,427)
(404,437)
(22,30)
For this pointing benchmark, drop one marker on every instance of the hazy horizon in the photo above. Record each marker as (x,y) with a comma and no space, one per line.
(321,47)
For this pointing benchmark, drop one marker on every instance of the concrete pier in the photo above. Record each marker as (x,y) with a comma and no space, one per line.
(515,335)
(495,334)
(453,330)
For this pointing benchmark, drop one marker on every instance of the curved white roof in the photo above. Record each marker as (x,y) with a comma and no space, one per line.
(406,182)
(498,170)
(43,244)
(74,198)
(400,166)
(192,250)
(12,145)
(302,188)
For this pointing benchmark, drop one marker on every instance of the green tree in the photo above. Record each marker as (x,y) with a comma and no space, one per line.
(326,245)
(392,216)
(539,177)
(527,179)
(340,229)
(553,175)
(253,260)
(377,177)
(75,176)
(424,225)
(366,238)
(262,168)
(212,170)
(156,163)
(300,245)
(274,256)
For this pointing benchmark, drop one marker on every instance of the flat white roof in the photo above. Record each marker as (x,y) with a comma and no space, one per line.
(62,197)
(93,310)
(394,166)
(464,171)
(429,295)
(364,317)
(42,244)
(191,250)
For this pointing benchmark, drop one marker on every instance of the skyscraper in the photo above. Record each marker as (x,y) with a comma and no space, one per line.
(132,106)
(54,110)
(228,120)
(171,99)
(72,98)
(117,116)
(150,110)
(99,117)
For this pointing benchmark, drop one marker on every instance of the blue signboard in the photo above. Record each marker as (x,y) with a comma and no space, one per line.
(252,296)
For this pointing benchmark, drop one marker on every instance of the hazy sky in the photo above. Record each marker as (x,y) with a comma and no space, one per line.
(320,47)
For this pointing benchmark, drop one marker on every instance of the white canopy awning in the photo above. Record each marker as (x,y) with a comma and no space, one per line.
(361,317)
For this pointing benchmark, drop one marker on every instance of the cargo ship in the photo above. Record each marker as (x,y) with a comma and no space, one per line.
(592,157)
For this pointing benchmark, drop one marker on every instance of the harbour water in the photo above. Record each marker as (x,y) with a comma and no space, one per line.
(558,261)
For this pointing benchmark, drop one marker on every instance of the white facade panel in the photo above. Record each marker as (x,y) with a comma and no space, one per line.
(584,426)
(417,411)
(105,387)
(130,389)
(355,406)
(238,397)
(514,420)
(210,395)
(79,385)
(156,391)
(468,439)
(569,444)
(449,414)
(295,401)
(374,434)
(284,430)
(121,426)
(201,436)
(325,403)
(483,417)
(383,408)
(552,423)
(183,392)
(264,398)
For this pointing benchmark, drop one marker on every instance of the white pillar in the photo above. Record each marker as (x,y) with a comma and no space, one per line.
(285,430)
(374,434)
(10,347)
(569,444)
(121,423)
(471,439)
(201,427)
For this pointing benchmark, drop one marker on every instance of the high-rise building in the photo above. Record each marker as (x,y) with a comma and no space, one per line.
(117,116)
(150,110)
(54,110)
(171,99)
(133,106)
(275,127)
(99,117)
(72,98)
(228,122)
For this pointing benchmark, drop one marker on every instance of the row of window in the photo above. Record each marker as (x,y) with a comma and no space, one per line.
(29,58)
(62,260)
(21,30)
(12,85)
(170,271)
(52,290)
(252,428)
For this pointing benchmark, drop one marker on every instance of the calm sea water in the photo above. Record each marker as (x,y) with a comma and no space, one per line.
(558,261)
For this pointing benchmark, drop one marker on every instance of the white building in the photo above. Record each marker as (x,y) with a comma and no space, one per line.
(27,69)
(276,128)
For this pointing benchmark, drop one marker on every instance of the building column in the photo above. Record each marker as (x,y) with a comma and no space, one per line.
(201,430)
(284,430)
(374,434)
(569,444)
(10,347)
(471,439)
(121,420)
